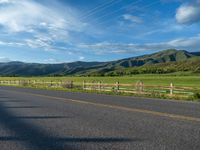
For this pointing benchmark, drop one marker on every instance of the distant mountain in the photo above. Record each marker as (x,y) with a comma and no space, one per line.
(170,55)
(159,60)
(160,57)
(35,69)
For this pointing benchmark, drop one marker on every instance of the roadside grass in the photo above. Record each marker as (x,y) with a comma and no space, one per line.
(155,80)
(194,98)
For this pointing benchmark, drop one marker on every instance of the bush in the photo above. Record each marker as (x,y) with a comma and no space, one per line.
(196,95)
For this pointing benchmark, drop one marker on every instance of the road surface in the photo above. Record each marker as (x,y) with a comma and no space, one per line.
(57,120)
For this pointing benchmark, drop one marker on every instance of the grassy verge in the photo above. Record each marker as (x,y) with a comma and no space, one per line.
(195,97)
(158,80)
(162,80)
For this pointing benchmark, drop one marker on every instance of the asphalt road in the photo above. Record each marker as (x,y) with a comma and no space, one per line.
(57,120)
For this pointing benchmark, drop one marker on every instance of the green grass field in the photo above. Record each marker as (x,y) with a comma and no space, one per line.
(148,80)
(160,80)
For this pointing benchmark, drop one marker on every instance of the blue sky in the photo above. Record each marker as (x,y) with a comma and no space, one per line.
(56,31)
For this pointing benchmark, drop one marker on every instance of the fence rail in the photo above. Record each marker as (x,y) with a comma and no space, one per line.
(135,88)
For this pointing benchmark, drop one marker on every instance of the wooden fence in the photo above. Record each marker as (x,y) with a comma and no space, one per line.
(141,88)
(136,88)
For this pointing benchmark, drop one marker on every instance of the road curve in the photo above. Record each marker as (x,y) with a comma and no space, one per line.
(33,119)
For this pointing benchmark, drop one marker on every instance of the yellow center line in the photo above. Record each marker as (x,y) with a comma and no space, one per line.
(155,113)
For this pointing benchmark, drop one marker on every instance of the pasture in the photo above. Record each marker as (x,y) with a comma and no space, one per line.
(155,80)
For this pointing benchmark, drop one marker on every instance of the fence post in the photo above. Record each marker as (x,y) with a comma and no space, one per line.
(93,85)
(84,85)
(99,85)
(117,86)
(141,86)
(51,83)
(59,83)
(71,84)
(171,88)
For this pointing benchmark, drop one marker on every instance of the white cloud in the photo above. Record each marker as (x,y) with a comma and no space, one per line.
(191,43)
(81,58)
(6,43)
(188,13)
(133,19)
(5,1)
(186,43)
(52,61)
(27,14)
(39,43)
(4,59)
(45,25)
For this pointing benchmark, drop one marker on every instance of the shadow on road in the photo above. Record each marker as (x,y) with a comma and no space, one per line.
(38,139)
(4,97)
(78,140)
(22,107)
(42,117)
(11,101)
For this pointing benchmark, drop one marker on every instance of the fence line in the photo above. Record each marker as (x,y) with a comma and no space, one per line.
(137,88)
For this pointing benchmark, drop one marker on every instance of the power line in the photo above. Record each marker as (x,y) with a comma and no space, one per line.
(99,8)
(127,6)
(145,6)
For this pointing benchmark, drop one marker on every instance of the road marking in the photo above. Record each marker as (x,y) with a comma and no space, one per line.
(155,113)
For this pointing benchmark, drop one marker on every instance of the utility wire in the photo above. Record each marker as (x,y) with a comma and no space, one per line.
(99,8)
(145,6)
(118,10)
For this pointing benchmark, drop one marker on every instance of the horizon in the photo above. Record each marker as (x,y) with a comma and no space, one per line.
(57,31)
(16,61)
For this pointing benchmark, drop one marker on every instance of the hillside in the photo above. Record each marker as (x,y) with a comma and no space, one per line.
(160,57)
(34,69)
(191,65)
(163,57)
(166,61)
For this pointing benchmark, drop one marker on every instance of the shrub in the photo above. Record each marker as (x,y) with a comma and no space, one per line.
(196,95)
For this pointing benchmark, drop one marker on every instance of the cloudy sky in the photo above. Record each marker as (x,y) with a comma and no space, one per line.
(55,31)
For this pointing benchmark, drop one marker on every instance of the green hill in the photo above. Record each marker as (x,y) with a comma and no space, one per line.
(163,57)
(34,69)
(167,61)
(160,57)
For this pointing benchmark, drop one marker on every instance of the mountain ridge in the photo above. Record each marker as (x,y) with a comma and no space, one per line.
(169,57)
